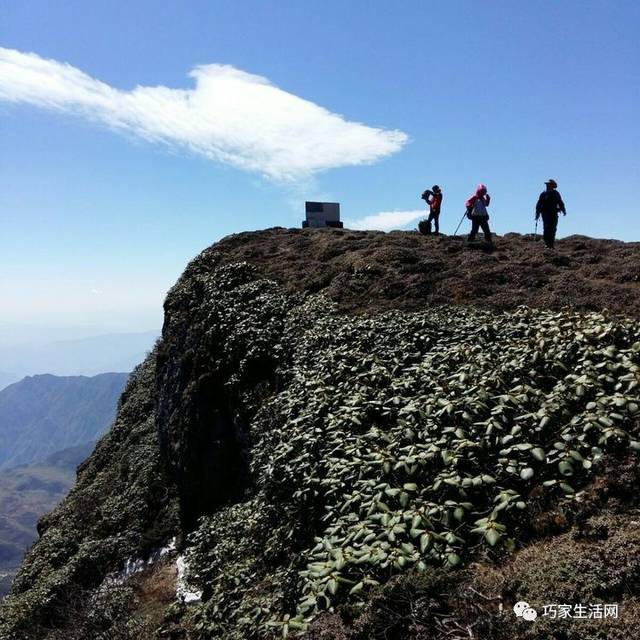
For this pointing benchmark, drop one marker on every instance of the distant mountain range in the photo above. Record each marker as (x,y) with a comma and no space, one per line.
(43,414)
(86,356)
(6,379)
(48,425)
(26,493)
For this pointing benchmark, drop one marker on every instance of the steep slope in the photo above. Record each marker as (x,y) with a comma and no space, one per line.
(121,506)
(27,492)
(43,414)
(303,455)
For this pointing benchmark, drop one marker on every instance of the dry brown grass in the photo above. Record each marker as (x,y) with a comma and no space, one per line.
(372,271)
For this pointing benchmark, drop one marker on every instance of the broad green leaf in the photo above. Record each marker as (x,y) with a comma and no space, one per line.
(527,473)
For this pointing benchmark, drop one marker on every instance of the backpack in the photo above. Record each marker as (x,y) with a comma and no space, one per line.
(479,209)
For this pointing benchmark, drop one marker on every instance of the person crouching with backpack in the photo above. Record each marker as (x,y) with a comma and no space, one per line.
(477,212)
(433,198)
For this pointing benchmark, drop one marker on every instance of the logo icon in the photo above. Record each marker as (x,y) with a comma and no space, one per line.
(523,610)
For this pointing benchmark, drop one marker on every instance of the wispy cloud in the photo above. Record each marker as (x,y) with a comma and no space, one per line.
(386,220)
(231,116)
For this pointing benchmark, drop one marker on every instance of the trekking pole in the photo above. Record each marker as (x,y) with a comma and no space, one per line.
(535,232)
(464,215)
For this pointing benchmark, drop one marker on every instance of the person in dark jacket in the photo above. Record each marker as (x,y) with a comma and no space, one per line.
(433,198)
(477,212)
(549,206)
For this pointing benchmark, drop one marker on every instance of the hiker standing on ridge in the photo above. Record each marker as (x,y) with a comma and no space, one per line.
(433,198)
(477,212)
(549,206)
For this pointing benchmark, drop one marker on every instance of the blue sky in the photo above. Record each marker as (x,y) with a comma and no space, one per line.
(103,202)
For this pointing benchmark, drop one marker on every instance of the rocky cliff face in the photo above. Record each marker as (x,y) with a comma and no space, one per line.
(221,348)
(331,445)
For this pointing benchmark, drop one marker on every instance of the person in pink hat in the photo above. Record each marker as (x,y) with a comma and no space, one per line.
(477,212)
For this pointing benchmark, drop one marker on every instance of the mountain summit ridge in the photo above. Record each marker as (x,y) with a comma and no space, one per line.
(365,271)
(282,348)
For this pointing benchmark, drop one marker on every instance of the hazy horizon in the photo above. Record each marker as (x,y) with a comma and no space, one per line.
(79,353)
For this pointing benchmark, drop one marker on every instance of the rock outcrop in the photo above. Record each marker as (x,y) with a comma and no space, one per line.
(333,420)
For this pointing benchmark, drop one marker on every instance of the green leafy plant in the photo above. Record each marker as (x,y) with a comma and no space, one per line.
(410,441)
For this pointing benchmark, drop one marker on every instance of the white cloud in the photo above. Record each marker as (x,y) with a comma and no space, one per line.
(231,116)
(386,220)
